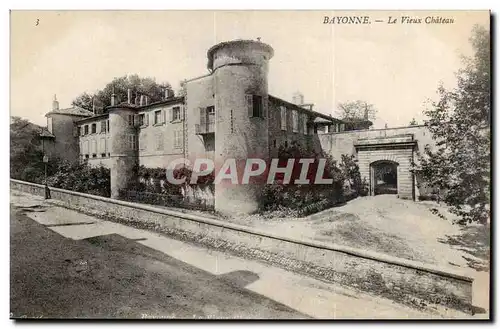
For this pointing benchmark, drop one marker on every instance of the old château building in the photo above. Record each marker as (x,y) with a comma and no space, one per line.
(227,113)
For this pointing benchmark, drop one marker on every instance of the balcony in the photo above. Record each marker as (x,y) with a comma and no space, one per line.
(206,128)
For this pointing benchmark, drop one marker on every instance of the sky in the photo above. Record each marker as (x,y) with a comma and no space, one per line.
(395,67)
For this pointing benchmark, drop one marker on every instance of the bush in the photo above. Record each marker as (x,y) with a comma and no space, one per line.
(154,180)
(81,177)
(307,198)
(350,170)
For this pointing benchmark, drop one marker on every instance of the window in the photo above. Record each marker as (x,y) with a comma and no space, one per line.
(107,123)
(158,118)
(49,125)
(86,156)
(85,148)
(103,127)
(130,120)
(102,146)
(132,142)
(255,106)
(295,121)
(142,120)
(159,142)
(283,117)
(304,123)
(142,142)
(176,114)
(310,130)
(86,129)
(103,155)
(94,148)
(94,155)
(93,128)
(78,131)
(178,139)
(135,142)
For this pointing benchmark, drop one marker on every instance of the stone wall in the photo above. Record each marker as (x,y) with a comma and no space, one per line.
(401,280)
(337,144)
(402,156)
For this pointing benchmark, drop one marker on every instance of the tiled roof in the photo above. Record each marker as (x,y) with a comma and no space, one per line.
(46,133)
(75,110)
(321,120)
(316,114)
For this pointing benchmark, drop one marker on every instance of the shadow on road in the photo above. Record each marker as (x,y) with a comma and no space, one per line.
(111,276)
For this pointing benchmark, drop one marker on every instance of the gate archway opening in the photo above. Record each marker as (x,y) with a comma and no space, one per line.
(384,177)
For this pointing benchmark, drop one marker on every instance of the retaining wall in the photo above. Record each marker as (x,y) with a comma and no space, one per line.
(408,282)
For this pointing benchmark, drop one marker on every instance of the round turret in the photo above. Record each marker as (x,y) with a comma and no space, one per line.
(239,52)
(240,70)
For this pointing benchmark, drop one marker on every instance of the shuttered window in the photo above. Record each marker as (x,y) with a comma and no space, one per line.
(132,142)
(178,138)
(256,106)
(283,117)
(159,142)
(176,114)
(157,117)
(94,147)
(295,121)
(86,147)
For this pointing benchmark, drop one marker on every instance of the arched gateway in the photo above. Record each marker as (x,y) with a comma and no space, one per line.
(385,164)
(384,177)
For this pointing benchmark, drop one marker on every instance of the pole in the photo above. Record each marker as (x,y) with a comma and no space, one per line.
(45,160)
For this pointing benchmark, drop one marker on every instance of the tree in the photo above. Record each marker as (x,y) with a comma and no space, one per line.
(459,121)
(138,86)
(413,122)
(356,110)
(25,149)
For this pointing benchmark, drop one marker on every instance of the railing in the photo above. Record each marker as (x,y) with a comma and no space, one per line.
(207,128)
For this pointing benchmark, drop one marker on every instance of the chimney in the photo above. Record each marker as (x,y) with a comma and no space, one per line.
(113,98)
(298,98)
(169,93)
(146,100)
(129,96)
(55,104)
(142,100)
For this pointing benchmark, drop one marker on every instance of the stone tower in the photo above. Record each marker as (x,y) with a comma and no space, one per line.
(124,158)
(240,71)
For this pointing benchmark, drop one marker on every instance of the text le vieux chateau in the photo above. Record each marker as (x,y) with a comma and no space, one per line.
(345,20)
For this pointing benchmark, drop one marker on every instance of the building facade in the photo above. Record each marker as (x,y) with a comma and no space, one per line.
(227,113)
